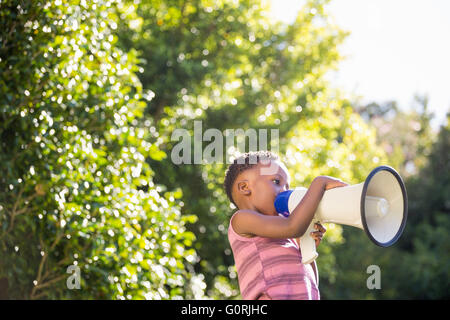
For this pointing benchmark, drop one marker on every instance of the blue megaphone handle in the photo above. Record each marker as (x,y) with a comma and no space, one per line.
(281,202)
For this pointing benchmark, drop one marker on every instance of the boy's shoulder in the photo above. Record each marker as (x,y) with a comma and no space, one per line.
(244,212)
(242,216)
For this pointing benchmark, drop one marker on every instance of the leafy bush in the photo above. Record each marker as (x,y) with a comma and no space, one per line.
(74,185)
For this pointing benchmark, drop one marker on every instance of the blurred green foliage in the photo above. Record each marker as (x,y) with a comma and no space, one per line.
(406,137)
(90,94)
(74,184)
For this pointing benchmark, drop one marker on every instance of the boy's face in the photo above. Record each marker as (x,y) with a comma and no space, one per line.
(264,182)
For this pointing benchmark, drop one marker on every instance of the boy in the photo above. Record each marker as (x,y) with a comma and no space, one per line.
(266,253)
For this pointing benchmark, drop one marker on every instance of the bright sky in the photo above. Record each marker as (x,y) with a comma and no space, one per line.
(396,48)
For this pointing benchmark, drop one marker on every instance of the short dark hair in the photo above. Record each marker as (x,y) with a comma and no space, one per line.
(240,164)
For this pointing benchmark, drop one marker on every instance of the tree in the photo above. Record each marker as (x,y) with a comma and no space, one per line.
(72,162)
(405,136)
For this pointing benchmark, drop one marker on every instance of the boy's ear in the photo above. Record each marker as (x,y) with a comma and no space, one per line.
(243,187)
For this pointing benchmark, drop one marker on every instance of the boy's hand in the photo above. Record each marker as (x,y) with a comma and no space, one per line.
(318,235)
(331,182)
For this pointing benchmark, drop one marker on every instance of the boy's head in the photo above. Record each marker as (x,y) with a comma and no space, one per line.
(254,180)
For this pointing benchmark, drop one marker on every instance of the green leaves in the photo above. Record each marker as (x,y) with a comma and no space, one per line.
(73,164)
(156,153)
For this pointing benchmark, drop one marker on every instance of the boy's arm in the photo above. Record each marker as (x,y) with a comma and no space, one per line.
(249,222)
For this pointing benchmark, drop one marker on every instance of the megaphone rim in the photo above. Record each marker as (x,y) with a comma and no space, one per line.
(405,205)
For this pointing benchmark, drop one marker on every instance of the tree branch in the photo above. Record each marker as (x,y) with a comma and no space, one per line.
(16,212)
(35,296)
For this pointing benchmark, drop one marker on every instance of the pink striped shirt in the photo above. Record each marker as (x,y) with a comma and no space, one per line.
(271,269)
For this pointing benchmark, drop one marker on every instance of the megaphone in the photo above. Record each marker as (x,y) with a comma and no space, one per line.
(379,206)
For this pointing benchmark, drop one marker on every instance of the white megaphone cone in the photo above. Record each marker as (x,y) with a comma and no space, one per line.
(379,206)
